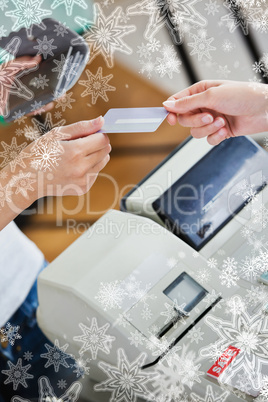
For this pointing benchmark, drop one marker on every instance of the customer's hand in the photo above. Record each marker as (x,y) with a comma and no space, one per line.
(220,109)
(80,154)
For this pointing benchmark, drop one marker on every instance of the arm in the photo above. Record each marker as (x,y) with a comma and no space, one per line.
(220,109)
(79,155)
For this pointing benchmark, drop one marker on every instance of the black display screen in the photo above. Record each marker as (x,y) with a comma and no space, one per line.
(206,197)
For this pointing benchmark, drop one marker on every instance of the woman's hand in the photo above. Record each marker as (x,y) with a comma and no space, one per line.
(220,109)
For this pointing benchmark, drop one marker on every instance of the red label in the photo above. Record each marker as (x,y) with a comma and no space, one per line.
(223,362)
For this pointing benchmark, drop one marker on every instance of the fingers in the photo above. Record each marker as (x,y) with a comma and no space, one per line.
(195,120)
(190,103)
(208,129)
(196,88)
(94,158)
(92,143)
(219,136)
(45,108)
(83,128)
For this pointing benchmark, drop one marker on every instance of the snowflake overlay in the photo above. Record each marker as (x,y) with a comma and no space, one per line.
(105,35)
(210,396)
(127,381)
(17,374)
(10,74)
(9,333)
(27,13)
(95,338)
(246,331)
(46,392)
(97,85)
(69,4)
(56,355)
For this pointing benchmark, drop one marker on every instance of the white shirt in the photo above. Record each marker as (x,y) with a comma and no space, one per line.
(20,262)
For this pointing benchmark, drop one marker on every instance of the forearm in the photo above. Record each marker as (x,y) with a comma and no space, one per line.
(17,192)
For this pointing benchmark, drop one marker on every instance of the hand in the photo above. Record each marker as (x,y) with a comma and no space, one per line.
(80,154)
(9,71)
(220,109)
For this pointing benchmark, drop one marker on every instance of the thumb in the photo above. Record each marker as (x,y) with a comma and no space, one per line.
(83,128)
(188,103)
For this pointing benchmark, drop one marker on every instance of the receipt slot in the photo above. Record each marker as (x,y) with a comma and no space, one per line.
(204,194)
(136,291)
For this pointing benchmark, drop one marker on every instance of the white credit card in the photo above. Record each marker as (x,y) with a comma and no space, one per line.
(133,120)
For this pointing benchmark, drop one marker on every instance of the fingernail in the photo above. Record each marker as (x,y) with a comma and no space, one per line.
(169,103)
(222,132)
(207,119)
(219,122)
(97,120)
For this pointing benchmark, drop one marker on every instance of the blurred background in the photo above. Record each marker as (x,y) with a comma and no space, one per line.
(149,50)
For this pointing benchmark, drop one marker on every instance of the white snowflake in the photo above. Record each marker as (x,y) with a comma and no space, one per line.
(19,117)
(17,374)
(40,82)
(5,195)
(28,356)
(203,275)
(136,338)
(37,107)
(94,338)
(223,71)
(157,12)
(239,16)
(146,314)
(212,262)
(46,392)
(154,45)
(229,277)
(65,67)
(171,262)
(250,268)
(246,331)
(3,31)
(10,77)
(60,29)
(212,7)
(234,305)
(201,45)
(81,367)
(210,396)
(148,67)
(45,47)
(47,125)
(69,4)
(169,63)
(195,335)
(97,85)
(256,295)
(65,101)
(126,381)
(110,295)
(105,35)
(260,22)
(144,51)
(13,154)
(9,334)
(27,13)
(3,4)
(23,183)
(46,153)
(62,384)
(56,355)
(19,132)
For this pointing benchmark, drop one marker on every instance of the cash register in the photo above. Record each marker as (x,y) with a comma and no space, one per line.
(148,315)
